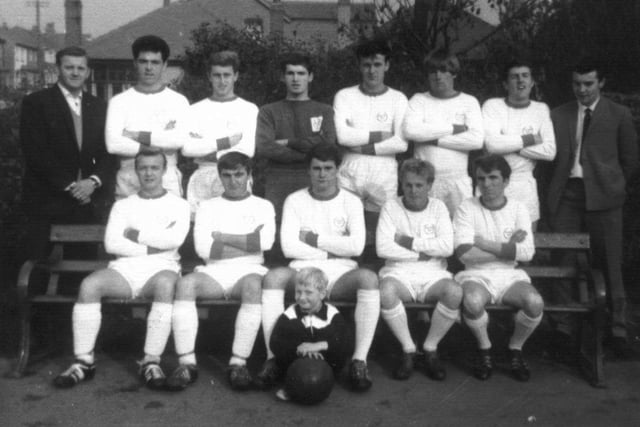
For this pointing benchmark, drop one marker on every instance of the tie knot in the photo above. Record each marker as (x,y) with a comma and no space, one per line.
(587,112)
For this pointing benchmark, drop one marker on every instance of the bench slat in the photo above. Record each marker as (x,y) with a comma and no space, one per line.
(77,233)
(562,240)
(77,266)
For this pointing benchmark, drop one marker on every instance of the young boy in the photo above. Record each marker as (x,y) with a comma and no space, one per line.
(310,327)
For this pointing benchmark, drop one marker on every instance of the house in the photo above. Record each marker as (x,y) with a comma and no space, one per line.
(111,53)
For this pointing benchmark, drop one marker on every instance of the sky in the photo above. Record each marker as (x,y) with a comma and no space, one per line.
(99,16)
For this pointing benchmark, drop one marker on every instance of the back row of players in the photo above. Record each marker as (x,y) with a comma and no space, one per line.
(321,226)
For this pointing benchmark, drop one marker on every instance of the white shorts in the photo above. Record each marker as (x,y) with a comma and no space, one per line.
(205,184)
(137,272)
(418,281)
(452,191)
(496,282)
(227,275)
(524,188)
(127,182)
(373,179)
(333,268)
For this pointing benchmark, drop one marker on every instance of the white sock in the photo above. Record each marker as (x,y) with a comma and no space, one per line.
(272,308)
(524,327)
(185,329)
(246,330)
(366,319)
(441,321)
(479,329)
(396,319)
(85,320)
(158,330)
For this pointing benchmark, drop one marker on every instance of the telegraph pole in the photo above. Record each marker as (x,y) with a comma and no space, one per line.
(38,4)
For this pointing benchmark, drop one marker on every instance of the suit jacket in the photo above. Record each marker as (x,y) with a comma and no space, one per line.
(52,157)
(609,154)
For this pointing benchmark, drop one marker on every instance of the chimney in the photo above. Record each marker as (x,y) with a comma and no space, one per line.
(73,20)
(277,18)
(166,3)
(344,13)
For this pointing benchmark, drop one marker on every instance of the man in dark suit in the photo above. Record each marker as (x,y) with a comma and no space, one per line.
(597,154)
(67,167)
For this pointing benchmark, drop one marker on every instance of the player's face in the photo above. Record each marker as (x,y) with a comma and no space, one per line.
(223,80)
(372,70)
(519,84)
(308,297)
(149,68)
(73,71)
(491,185)
(416,191)
(150,170)
(586,87)
(441,83)
(324,176)
(297,78)
(234,182)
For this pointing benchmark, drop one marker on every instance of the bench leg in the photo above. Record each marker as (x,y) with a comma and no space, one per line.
(591,355)
(25,341)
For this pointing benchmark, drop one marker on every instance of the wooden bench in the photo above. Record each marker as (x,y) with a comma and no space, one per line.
(590,282)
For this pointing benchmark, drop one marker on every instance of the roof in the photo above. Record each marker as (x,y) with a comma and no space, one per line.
(175,22)
(299,10)
(19,35)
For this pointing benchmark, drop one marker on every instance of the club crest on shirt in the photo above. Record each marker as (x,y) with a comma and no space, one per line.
(316,123)
(428,230)
(382,117)
(460,118)
(507,233)
(340,224)
(248,220)
(528,130)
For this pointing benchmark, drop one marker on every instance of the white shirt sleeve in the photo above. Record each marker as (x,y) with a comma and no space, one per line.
(546,150)
(353,243)
(171,235)
(202,231)
(397,143)
(442,245)
(386,246)
(347,134)
(416,128)
(496,141)
(525,249)
(464,230)
(115,142)
(472,138)
(268,231)
(114,241)
(292,247)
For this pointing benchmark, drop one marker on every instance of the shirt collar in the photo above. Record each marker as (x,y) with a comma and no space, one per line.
(321,314)
(68,94)
(592,107)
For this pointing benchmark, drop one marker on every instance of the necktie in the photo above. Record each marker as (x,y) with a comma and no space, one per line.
(586,122)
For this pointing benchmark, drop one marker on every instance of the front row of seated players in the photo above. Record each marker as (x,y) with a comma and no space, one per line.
(323,226)
(144,232)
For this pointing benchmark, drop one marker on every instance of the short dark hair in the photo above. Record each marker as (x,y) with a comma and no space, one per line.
(442,60)
(70,51)
(225,58)
(514,63)
(324,152)
(232,160)
(150,43)
(588,64)
(419,167)
(491,162)
(150,154)
(296,58)
(373,47)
